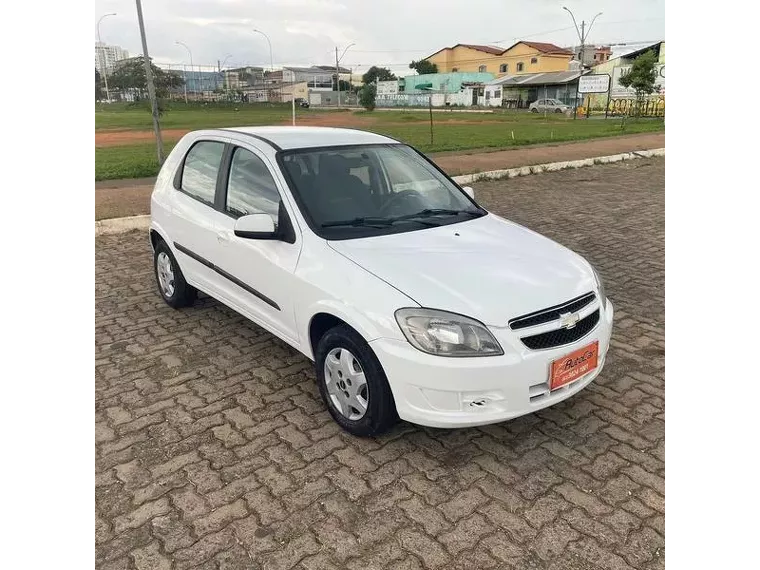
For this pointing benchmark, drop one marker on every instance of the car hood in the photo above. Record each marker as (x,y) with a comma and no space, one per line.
(487,268)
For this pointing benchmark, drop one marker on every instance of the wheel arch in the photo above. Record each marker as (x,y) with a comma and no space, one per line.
(325,316)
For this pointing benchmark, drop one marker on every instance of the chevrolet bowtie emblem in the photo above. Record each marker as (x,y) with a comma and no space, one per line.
(569,320)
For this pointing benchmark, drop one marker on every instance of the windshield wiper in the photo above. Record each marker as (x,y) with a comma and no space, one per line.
(427,212)
(363,221)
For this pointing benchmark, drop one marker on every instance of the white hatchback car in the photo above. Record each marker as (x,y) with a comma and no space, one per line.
(412,300)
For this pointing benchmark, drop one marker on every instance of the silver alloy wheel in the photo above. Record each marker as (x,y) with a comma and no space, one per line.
(346,384)
(165,274)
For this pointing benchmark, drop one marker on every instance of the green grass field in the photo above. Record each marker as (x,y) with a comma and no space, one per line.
(451,131)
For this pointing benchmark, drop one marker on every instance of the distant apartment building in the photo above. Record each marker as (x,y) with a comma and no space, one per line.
(521,57)
(106,56)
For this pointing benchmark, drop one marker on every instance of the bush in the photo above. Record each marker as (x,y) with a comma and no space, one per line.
(367,96)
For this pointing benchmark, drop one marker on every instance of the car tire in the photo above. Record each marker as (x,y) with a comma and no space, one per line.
(171,283)
(380,413)
(534,110)
(558,111)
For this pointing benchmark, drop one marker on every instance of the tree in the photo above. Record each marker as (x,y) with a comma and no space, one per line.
(344,85)
(98,90)
(375,73)
(367,96)
(423,66)
(642,77)
(130,74)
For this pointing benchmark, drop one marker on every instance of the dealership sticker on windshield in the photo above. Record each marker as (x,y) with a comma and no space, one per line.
(574,365)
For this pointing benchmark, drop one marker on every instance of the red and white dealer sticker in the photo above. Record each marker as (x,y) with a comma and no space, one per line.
(574,365)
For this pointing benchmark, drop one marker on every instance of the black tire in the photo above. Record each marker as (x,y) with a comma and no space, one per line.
(183,295)
(534,110)
(381,409)
(557,110)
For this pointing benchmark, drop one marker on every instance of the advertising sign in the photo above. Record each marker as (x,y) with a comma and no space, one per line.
(594,83)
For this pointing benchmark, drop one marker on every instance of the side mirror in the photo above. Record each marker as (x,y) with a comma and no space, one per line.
(469,191)
(255,226)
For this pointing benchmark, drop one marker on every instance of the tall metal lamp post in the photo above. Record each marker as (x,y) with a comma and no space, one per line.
(337,67)
(582,36)
(191,63)
(104,63)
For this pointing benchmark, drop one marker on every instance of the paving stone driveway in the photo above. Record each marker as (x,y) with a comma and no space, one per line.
(213,449)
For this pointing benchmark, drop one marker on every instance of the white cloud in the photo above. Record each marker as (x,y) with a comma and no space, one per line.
(385,32)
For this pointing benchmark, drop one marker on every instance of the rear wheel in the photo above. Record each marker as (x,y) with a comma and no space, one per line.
(352,383)
(534,110)
(171,283)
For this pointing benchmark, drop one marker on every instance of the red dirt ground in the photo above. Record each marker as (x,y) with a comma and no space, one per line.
(123,137)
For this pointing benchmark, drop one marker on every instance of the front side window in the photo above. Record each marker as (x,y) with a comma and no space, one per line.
(201,169)
(251,188)
(360,191)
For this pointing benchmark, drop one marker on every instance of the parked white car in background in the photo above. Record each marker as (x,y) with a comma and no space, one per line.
(550,106)
(412,300)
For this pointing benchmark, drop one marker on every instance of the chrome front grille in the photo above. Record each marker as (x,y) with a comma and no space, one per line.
(552,313)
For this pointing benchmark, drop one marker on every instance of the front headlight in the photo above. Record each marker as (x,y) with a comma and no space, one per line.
(446,334)
(600,285)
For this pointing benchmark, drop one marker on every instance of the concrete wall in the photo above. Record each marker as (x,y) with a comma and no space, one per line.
(445,82)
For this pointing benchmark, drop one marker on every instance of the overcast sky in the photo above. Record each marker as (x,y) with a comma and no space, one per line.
(385,32)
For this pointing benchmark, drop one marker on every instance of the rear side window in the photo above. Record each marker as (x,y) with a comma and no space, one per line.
(201,169)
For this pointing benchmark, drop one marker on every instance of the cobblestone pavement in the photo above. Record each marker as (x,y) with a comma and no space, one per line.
(213,449)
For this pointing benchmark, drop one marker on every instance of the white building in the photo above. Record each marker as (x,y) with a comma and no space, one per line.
(106,56)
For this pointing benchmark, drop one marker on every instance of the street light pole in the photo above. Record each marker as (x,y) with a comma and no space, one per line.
(271,59)
(104,63)
(337,68)
(582,35)
(151,87)
(191,62)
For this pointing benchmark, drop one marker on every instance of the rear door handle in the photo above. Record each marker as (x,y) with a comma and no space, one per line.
(223,237)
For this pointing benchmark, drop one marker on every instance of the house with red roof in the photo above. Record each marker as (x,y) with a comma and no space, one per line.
(521,57)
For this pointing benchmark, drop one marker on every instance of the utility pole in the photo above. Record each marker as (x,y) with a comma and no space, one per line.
(582,36)
(151,87)
(337,75)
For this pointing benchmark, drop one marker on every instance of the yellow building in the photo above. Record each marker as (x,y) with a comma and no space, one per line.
(522,57)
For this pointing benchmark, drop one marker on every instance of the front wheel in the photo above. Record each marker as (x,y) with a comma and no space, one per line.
(352,383)
(534,110)
(558,111)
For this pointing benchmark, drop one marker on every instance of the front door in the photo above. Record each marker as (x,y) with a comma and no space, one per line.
(258,273)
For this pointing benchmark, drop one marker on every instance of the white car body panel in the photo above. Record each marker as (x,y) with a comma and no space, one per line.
(486,268)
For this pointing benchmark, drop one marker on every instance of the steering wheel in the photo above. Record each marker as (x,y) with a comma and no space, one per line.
(400,197)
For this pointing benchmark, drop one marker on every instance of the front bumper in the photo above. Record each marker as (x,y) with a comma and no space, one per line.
(445,392)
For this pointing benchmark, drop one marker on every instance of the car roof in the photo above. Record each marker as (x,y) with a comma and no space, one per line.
(287,138)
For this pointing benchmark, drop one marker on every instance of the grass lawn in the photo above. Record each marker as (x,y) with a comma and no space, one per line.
(451,131)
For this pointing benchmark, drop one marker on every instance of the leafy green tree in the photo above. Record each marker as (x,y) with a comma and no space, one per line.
(423,66)
(98,90)
(642,77)
(130,74)
(367,96)
(375,73)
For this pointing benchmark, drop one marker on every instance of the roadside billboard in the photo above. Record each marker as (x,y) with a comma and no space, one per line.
(620,92)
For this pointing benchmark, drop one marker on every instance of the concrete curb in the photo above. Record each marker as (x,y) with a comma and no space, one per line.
(121,225)
(554,166)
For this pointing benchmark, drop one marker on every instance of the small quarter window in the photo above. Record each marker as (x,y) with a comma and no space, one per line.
(201,169)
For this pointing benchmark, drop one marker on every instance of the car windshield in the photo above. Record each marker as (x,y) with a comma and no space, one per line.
(360,191)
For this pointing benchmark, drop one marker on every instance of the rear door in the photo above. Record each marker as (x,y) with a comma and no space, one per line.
(195,222)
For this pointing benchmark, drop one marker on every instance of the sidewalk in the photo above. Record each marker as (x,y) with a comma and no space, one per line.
(120,198)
